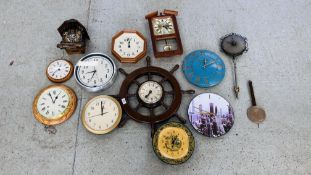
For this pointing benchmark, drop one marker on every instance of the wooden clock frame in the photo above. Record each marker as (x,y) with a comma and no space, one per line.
(155,38)
(126,59)
(63,79)
(170,110)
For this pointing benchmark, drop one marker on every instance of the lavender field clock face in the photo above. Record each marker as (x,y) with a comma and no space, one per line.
(211,115)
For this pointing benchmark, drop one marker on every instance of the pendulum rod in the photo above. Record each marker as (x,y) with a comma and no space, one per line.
(236,87)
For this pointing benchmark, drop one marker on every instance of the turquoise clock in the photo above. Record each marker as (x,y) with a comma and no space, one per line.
(203,68)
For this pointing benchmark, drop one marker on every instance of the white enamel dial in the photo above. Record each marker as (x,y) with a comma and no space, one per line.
(95,72)
(163,26)
(52,103)
(150,92)
(59,69)
(129,45)
(101,114)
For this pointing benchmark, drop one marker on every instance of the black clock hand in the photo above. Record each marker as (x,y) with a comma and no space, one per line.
(98,115)
(102,107)
(51,97)
(92,75)
(146,96)
(55,71)
(91,71)
(56,97)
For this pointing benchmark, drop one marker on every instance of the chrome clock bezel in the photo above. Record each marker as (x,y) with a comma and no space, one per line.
(97,88)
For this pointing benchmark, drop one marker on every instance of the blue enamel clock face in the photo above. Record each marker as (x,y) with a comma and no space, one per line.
(203,68)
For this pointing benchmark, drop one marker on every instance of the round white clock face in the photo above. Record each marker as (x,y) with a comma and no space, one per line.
(129,45)
(101,114)
(163,26)
(95,72)
(150,92)
(59,70)
(52,103)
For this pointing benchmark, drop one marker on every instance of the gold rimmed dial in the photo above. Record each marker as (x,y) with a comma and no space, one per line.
(101,114)
(54,104)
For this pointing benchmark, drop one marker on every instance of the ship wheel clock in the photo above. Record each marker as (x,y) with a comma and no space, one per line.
(151,95)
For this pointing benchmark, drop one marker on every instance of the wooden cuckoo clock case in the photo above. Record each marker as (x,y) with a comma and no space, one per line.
(150,95)
(164,32)
(74,36)
(129,46)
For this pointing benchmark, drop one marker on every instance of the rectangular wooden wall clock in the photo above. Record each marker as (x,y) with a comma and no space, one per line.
(164,32)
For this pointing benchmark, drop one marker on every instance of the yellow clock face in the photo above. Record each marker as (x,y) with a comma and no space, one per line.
(54,104)
(163,26)
(173,143)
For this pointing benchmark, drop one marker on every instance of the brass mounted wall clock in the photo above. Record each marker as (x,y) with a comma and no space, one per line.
(164,32)
(59,71)
(234,45)
(101,114)
(173,143)
(150,95)
(129,46)
(54,104)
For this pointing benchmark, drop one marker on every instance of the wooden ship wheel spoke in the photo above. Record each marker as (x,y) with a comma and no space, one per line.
(159,93)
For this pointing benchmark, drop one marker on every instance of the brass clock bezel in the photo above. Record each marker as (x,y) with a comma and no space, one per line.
(126,59)
(168,160)
(159,18)
(61,117)
(109,129)
(66,78)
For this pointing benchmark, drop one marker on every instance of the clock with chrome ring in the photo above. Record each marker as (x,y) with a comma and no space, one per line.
(203,68)
(95,72)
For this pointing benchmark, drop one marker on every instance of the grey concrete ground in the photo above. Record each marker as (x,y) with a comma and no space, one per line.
(278,62)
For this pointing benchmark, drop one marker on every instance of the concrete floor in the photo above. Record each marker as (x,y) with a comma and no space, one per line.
(278,62)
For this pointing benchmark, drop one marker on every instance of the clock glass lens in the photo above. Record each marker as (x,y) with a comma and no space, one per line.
(95,71)
(150,92)
(59,69)
(102,114)
(129,45)
(163,26)
(173,143)
(52,103)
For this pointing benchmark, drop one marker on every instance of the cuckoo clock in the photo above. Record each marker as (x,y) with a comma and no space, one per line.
(164,32)
(74,36)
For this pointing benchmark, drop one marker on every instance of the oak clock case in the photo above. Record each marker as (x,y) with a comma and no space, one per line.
(74,37)
(211,115)
(101,114)
(54,104)
(95,72)
(150,95)
(129,46)
(203,68)
(59,71)
(164,32)
(173,143)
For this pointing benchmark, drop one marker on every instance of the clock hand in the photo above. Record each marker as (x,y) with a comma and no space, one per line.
(55,71)
(92,75)
(56,97)
(102,107)
(51,97)
(146,96)
(91,71)
(98,115)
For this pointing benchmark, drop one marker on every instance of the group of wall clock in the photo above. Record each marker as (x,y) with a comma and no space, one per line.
(149,94)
